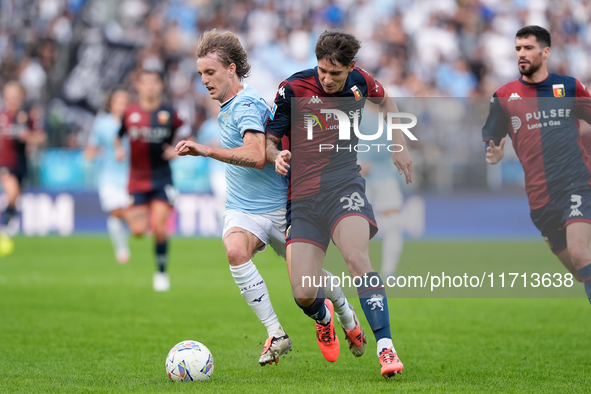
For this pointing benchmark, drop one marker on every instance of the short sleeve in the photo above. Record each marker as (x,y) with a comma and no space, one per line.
(583,102)
(496,125)
(250,114)
(375,90)
(279,122)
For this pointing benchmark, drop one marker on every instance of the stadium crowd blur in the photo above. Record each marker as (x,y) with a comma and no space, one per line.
(69,53)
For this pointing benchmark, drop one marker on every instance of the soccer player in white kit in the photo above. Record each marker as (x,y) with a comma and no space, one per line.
(112,174)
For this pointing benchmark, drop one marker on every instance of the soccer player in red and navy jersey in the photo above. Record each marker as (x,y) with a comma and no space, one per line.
(150,127)
(18,128)
(540,112)
(331,193)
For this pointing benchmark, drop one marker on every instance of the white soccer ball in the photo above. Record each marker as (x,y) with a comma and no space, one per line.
(189,361)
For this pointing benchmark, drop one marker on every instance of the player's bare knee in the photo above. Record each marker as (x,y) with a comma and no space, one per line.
(304,291)
(236,255)
(579,255)
(358,263)
(118,213)
(138,231)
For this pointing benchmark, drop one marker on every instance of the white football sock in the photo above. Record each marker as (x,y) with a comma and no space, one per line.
(385,343)
(254,291)
(392,244)
(118,234)
(340,303)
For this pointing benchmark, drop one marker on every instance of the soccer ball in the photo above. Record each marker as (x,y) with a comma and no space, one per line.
(189,361)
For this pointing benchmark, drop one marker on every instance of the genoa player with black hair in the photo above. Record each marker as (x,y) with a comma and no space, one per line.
(331,195)
(540,112)
(150,127)
(18,128)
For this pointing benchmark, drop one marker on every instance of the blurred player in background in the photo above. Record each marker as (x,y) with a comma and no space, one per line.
(113,174)
(150,127)
(19,131)
(322,190)
(557,168)
(255,197)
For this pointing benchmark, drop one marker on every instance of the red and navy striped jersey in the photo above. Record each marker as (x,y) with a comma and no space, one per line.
(311,170)
(542,120)
(12,128)
(149,133)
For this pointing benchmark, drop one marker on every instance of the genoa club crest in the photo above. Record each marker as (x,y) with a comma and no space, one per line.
(558,90)
(163,117)
(357,93)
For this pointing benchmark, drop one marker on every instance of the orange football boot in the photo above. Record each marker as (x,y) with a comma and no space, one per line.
(327,337)
(390,363)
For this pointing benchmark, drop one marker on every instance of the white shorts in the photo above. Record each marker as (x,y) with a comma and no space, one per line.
(384,194)
(113,197)
(268,227)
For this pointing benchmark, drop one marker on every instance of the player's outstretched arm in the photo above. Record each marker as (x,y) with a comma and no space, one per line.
(401,159)
(494,153)
(251,155)
(278,158)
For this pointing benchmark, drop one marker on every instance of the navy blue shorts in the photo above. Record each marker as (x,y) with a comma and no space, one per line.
(166,194)
(19,173)
(573,206)
(313,219)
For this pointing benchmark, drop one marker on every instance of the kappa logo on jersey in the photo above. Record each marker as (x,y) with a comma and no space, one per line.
(315,100)
(354,202)
(514,96)
(281,91)
(163,117)
(357,93)
(558,90)
(515,123)
(376,301)
(577,200)
(135,117)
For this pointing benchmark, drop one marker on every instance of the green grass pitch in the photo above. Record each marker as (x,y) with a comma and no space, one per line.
(72,320)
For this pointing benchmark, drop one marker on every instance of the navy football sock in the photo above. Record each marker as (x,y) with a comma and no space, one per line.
(316,310)
(162,255)
(374,303)
(586,275)
(7,215)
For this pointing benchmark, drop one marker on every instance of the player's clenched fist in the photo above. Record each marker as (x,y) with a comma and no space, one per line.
(281,162)
(191,148)
(494,153)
